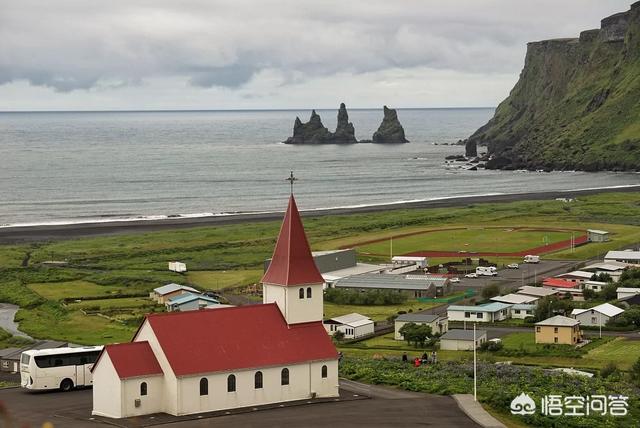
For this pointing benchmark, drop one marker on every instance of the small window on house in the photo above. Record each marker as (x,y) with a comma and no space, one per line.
(537,329)
(467,314)
(143,388)
(555,329)
(324,371)
(231,383)
(258,379)
(301,293)
(204,386)
(308,292)
(555,340)
(284,377)
(479,315)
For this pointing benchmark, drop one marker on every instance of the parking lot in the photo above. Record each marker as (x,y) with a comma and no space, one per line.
(360,405)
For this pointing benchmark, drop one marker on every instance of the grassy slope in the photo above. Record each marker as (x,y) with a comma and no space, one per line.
(134,264)
(546,119)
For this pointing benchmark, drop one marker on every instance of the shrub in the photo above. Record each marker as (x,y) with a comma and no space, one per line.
(369,297)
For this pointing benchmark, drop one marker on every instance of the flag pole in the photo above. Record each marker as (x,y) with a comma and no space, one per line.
(475,366)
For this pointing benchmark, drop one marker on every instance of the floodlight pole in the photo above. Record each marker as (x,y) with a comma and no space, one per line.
(475,365)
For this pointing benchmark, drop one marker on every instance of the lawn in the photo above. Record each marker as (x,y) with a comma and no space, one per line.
(109,304)
(376,313)
(622,352)
(74,289)
(217,280)
(476,239)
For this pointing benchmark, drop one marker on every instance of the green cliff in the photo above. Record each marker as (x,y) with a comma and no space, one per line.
(576,104)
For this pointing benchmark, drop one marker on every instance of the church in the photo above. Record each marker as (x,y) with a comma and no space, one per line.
(183,363)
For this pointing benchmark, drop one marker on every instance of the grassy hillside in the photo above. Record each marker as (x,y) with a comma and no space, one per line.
(576,105)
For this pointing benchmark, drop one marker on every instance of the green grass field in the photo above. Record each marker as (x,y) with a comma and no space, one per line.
(622,352)
(376,313)
(233,255)
(218,280)
(476,239)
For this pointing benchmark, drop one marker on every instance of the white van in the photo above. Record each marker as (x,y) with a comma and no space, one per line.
(486,271)
(531,259)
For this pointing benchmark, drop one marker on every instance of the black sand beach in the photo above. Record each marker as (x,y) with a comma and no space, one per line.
(12,235)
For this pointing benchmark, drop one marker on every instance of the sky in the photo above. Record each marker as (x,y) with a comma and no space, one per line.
(272,54)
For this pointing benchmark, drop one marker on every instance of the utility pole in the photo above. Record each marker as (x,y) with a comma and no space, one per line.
(475,365)
(391,249)
(600,323)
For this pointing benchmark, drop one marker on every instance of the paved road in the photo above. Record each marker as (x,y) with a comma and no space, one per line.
(386,407)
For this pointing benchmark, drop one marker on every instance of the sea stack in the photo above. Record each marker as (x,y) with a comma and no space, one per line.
(312,132)
(345,132)
(471,149)
(390,130)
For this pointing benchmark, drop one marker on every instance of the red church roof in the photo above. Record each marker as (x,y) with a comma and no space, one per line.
(132,359)
(235,338)
(292,263)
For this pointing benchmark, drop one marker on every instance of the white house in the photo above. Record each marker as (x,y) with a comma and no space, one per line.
(462,340)
(489,312)
(189,302)
(522,311)
(166,292)
(626,256)
(191,362)
(576,276)
(596,286)
(624,292)
(351,325)
(598,315)
(438,323)
(594,235)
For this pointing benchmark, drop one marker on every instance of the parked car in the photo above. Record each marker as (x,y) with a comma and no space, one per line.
(471,275)
(454,279)
(513,266)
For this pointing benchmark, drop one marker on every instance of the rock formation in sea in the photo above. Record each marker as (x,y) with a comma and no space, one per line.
(390,130)
(575,106)
(314,132)
(470,149)
(311,132)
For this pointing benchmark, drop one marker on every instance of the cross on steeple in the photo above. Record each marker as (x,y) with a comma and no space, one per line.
(291,179)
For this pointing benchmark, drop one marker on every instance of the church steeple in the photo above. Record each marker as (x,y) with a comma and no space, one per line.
(292,280)
(292,262)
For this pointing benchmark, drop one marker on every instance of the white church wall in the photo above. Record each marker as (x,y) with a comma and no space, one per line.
(107,389)
(152,402)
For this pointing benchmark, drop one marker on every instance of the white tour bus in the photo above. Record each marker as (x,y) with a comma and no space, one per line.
(486,271)
(58,368)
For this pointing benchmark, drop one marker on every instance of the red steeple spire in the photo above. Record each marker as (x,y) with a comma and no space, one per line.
(292,262)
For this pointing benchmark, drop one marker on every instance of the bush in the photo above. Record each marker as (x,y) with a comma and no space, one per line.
(369,297)
(608,370)
(491,346)
(490,291)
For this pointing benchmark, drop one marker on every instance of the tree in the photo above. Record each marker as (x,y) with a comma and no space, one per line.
(602,277)
(416,334)
(550,306)
(338,336)
(491,290)
(609,292)
(588,294)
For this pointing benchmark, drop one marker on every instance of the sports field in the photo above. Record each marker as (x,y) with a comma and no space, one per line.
(515,241)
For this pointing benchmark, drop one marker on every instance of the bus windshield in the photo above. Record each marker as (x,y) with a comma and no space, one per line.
(24,359)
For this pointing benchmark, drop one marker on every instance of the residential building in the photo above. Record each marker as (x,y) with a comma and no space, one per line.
(522,311)
(166,292)
(190,302)
(626,292)
(626,256)
(598,315)
(489,312)
(558,330)
(612,268)
(629,301)
(594,235)
(351,325)
(438,323)
(577,276)
(595,286)
(462,340)
(560,284)
(183,363)
(516,299)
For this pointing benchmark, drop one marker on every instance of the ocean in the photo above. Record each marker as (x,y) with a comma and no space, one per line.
(66,167)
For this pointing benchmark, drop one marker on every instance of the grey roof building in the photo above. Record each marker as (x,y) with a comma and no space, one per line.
(458,334)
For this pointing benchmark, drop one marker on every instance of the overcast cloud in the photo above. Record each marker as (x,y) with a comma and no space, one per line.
(206,54)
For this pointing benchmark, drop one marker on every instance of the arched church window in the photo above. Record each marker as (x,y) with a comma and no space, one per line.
(308,292)
(301,293)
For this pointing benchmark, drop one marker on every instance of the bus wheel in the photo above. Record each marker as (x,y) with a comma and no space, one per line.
(66,385)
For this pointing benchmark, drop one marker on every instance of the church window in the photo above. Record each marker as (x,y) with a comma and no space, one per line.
(284,377)
(324,371)
(301,293)
(143,388)
(231,383)
(258,380)
(308,292)
(204,386)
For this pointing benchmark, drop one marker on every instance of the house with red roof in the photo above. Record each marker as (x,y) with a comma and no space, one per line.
(183,363)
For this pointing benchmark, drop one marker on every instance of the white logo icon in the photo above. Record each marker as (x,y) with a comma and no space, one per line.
(523,405)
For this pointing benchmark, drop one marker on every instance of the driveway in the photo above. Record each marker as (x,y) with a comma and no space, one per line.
(361,405)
